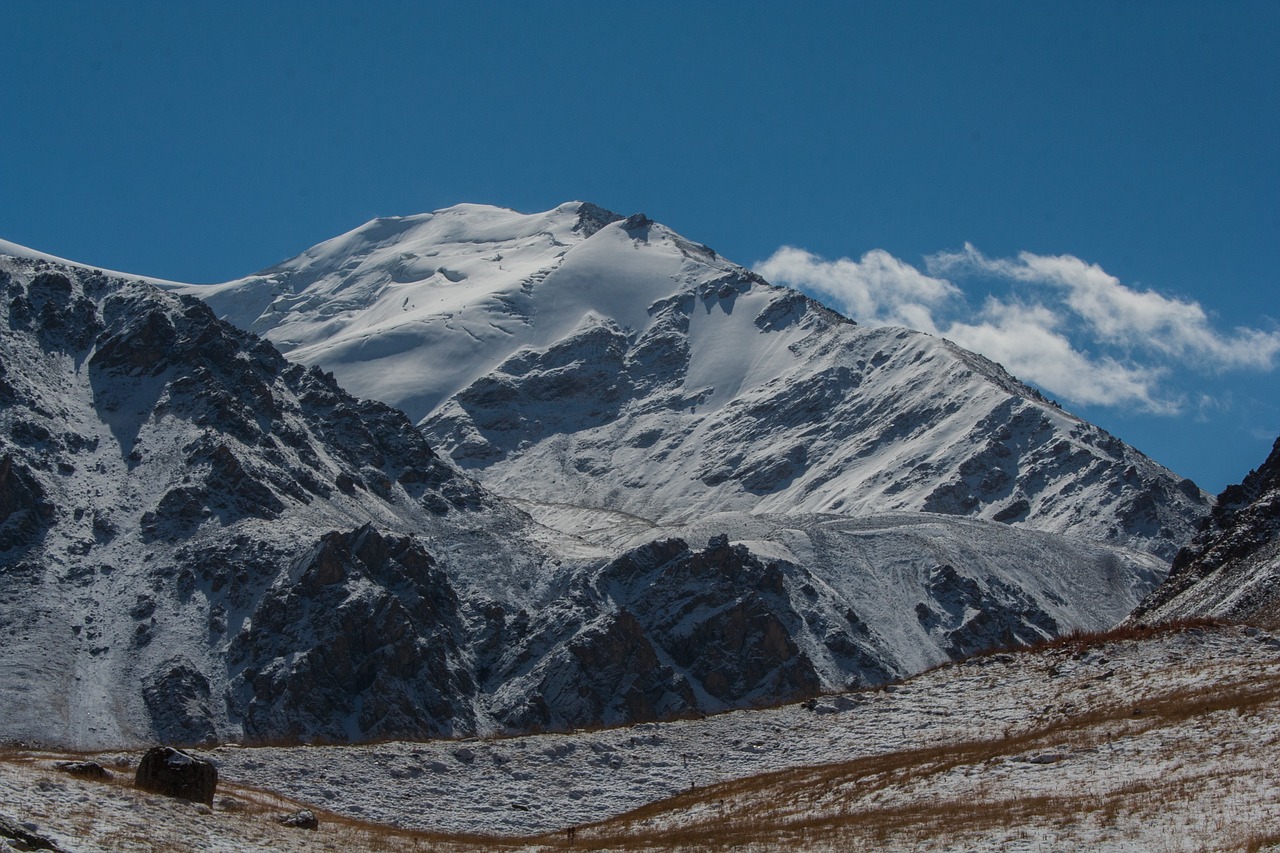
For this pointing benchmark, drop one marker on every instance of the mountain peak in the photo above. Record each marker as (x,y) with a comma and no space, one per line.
(591,218)
(696,386)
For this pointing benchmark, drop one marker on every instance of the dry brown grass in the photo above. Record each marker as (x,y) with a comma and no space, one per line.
(1084,640)
(780,809)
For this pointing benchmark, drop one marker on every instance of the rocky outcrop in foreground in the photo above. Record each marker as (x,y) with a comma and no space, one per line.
(174,773)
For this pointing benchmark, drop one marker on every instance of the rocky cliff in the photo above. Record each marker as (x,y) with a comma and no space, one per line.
(1231,568)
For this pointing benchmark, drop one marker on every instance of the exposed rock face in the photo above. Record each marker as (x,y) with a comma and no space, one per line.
(173,773)
(179,700)
(609,671)
(1231,569)
(683,631)
(361,636)
(969,619)
(24,510)
(725,617)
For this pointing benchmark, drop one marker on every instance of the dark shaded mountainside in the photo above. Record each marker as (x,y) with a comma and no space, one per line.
(1231,568)
(201,541)
(165,481)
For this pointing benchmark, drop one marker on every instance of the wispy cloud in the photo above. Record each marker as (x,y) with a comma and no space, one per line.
(879,289)
(1028,341)
(1119,315)
(1064,324)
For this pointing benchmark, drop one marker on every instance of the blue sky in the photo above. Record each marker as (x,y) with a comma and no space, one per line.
(1086,175)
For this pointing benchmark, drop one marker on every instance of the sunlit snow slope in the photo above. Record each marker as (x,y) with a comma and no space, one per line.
(572,357)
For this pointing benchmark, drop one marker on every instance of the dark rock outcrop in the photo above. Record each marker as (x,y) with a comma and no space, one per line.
(1231,568)
(725,617)
(970,617)
(178,697)
(609,671)
(84,769)
(25,510)
(591,218)
(18,837)
(365,628)
(174,773)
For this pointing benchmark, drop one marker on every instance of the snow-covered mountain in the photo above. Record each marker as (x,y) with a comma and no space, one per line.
(717,492)
(573,357)
(1231,568)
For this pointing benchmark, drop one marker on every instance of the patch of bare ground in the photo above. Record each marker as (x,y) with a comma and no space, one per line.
(110,814)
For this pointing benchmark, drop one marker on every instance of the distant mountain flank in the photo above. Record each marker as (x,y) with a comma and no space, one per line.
(1231,568)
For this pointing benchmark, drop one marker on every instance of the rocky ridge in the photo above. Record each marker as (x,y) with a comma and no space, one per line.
(1231,568)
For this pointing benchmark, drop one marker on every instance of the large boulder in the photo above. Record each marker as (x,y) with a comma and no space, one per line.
(174,773)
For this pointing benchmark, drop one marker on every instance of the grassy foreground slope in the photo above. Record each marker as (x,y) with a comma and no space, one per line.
(1147,739)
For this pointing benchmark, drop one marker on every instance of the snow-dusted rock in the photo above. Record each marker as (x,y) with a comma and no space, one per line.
(174,773)
(1231,569)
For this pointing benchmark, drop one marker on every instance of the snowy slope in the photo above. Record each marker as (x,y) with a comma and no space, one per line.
(573,357)
(200,540)
(408,310)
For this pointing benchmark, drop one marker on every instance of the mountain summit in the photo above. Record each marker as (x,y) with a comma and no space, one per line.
(577,357)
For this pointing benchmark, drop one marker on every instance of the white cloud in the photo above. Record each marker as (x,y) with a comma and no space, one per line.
(1077,331)
(879,289)
(1120,315)
(1027,342)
